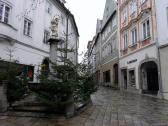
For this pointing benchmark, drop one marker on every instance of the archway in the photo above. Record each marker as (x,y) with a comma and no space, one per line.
(45,66)
(115,68)
(124,78)
(149,77)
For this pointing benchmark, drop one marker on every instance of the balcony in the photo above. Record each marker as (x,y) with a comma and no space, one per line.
(133,16)
(133,47)
(123,4)
(124,51)
(145,6)
(146,42)
(58,39)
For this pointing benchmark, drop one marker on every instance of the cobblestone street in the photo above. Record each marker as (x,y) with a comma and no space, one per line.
(110,108)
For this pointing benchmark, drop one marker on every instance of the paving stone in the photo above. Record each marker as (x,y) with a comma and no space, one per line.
(110,108)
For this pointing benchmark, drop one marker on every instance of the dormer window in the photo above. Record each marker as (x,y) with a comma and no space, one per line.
(4,12)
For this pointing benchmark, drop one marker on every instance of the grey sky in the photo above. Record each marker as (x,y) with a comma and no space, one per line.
(86,13)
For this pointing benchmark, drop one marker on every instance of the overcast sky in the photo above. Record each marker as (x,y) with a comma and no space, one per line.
(86,13)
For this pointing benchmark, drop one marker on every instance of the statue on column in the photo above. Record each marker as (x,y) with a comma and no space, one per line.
(54,27)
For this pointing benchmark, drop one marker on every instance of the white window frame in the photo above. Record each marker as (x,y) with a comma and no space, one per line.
(114,22)
(134,36)
(147,29)
(62,19)
(125,41)
(4,11)
(48,7)
(133,7)
(124,15)
(27,30)
(143,1)
(167,14)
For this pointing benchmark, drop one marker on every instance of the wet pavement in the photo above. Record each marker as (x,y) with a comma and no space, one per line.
(110,108)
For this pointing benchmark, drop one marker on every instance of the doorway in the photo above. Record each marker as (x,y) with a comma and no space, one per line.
(115,67)
(149,75)
(124,78)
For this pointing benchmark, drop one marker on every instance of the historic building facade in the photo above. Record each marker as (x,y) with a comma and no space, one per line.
(25,30)
(109,46)
(105,46)
(139,57)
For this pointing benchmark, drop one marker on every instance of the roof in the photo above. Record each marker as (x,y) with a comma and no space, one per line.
(110,8)
(68,13)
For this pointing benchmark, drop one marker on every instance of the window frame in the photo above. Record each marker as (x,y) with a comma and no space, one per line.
(133,7)
(3,16)
(134,36)
(143,1)
(114,22)
(26,27)
(125,41)
(48,7)
(124,15)
(146,29)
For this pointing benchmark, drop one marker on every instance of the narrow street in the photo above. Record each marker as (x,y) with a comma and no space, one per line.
(110,108)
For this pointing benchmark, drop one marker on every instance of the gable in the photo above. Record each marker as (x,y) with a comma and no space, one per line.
(110,7)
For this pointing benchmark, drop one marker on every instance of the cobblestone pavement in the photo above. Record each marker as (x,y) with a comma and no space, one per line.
(110,108)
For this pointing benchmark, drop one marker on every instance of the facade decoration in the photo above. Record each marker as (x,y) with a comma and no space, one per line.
(54,27)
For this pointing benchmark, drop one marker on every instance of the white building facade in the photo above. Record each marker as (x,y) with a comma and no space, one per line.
(25,29)
(162,30)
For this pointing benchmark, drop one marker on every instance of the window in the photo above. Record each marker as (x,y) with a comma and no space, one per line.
(143,1)
(133,7)
(106,76)
(146,29)
(48,7)
(27,27)
(125,41)
(46,36)
(124,16)
(4,12)
(62,20)
(134,36)
(114,23)
(167,14)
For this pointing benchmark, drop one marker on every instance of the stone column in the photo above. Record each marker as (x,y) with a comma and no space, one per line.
(3,96)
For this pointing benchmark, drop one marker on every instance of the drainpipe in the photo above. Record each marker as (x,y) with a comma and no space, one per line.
(160,70)
(66,35)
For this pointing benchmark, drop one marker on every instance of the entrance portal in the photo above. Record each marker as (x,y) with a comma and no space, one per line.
(124,78)
(45,67)
(149,77)
(115,74)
